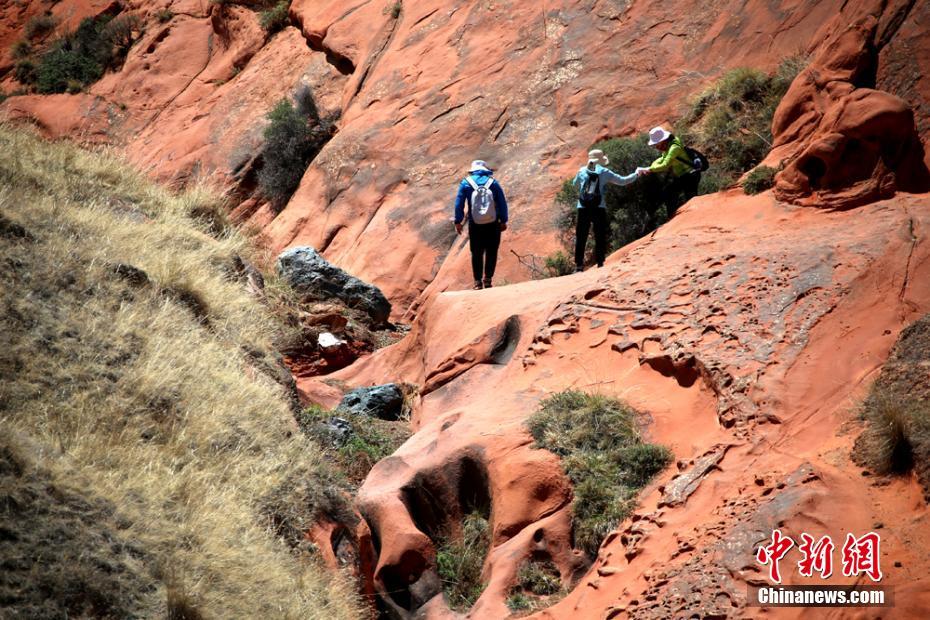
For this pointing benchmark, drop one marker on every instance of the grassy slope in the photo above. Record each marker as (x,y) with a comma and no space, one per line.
(148,397)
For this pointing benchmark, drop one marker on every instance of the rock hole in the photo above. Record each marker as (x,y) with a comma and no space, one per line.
(814,169)
(684,372)
(507,342)
(473,488)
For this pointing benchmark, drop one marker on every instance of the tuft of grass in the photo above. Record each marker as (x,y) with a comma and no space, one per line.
(538,586)
(896,440)
(559,264)
(759,179)
(604,456)
(124,393)
(394,9)
(369,441)
(39,25)
(164,15)
(275,18)
(459,562)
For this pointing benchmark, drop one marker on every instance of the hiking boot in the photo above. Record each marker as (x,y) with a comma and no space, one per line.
(487,283)
(477,285)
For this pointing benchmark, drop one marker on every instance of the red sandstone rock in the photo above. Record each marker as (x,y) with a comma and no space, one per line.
(748,340)
(191,98)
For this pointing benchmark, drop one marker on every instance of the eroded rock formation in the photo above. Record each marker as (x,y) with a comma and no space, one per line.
(842,142)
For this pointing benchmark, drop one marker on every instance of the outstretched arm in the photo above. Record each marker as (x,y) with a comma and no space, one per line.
(617,179)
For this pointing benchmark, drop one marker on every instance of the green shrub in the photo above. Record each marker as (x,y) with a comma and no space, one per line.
(538,586)
(39,26)
(759,179)
(731,122)
(559,264)
(370,441)
(292,140)
(85,54)
(459,562)
(275,18)
(164,15)
(394,9)
(603,455)
(25,71)
(21,50)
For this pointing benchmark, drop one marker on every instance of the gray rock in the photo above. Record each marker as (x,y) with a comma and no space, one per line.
(385,402)
(309,273)
(339,431)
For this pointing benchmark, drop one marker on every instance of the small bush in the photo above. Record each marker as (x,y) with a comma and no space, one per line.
(21,50)
(559,264)
(368,441)
(603,455)
(896,440)
(759,179)
(275,18)
(84,55)
(164,15)
(538,586)
(394,9)
(25,72)
(39,26)
(292,140)
(459,562)
(731,122)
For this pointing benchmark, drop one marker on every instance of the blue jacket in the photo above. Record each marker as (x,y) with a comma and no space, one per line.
(604,176)
(465,192)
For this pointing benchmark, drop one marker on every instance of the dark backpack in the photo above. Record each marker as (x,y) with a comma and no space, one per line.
(696,159)
(590,195)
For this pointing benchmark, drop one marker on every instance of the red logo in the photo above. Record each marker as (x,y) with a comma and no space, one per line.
(860,555)
(772,553)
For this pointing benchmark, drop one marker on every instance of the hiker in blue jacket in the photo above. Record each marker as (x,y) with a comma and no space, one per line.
(487,219)
(591,183)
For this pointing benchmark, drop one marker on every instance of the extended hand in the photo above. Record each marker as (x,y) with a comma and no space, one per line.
(458,228)
(503,226)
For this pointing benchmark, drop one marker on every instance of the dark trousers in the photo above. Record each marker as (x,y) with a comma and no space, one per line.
(673,193)
(586,217)
(483,241)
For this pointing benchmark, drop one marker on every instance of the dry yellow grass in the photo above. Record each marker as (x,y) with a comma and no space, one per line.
(149,396)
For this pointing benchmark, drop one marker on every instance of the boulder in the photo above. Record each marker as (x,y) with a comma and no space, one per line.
(380,401)
(309,273)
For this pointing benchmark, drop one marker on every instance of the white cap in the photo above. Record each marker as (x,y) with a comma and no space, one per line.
(658,135)
(597,156)
(479,166)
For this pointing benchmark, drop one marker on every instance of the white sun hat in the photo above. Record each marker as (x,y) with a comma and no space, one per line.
(480,166)
(658,135)
(597,156)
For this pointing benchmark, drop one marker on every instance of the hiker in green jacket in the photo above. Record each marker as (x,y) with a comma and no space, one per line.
(680,176)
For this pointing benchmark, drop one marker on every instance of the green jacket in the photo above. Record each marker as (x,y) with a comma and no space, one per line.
(674,160)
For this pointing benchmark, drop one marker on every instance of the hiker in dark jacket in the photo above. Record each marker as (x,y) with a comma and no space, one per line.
(591,183)
(487,219)
(681,178)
